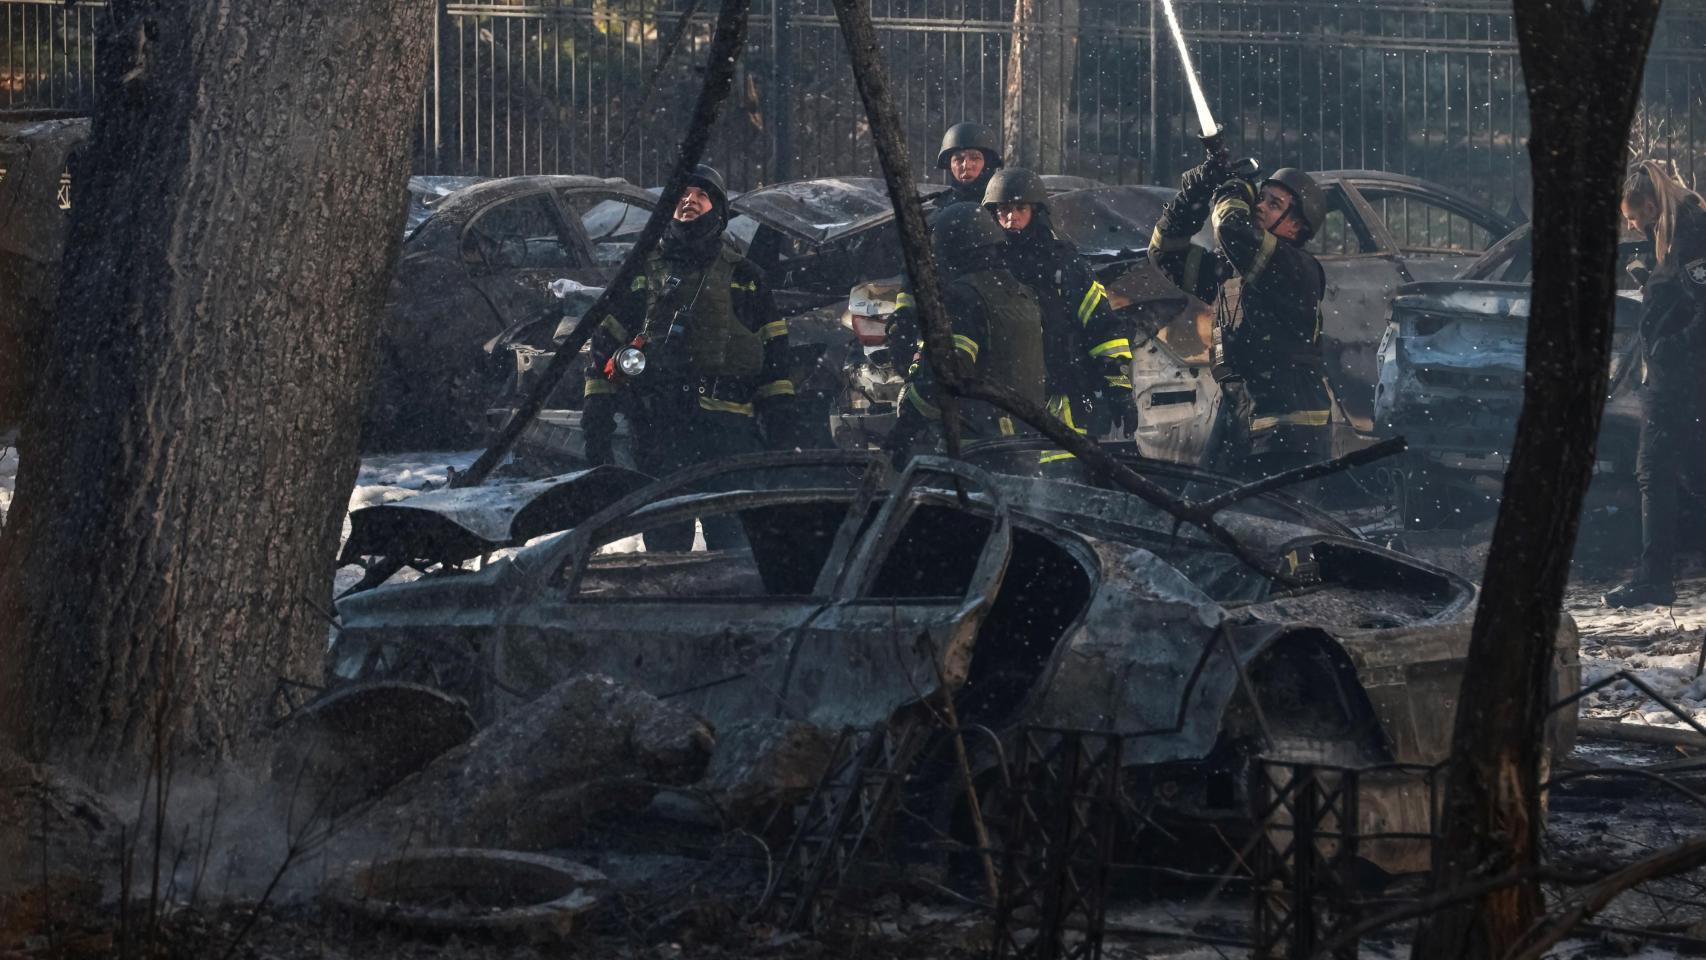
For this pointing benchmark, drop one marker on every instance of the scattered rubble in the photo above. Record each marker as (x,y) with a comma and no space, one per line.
(761,763)
(532,780)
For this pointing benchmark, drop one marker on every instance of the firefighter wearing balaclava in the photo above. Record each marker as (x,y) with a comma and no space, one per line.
(970,156)
(1086,351)
(692,354)
(1266,290)
(1673,393)
(997,330)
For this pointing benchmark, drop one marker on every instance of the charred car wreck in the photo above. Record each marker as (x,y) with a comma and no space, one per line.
(1451,377)
(864,598)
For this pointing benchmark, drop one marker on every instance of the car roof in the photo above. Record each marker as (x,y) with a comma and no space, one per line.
(464,202)
(823,209)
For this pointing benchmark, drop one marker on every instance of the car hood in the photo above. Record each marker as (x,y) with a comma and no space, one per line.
(821,211)
(1495,299)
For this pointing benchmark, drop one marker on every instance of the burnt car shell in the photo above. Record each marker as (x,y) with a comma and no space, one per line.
(1451,381)
(479,266)
(1033,603)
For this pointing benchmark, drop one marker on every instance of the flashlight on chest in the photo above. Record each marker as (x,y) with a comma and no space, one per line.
(629,361)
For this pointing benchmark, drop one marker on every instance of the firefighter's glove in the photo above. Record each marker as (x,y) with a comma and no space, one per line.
(1199,181)
(1234,189)
(598,424)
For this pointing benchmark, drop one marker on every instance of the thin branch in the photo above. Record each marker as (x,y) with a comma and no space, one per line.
(949,367)
(1557,926)
(726,47)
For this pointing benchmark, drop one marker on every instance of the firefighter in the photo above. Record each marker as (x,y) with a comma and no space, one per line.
(997,328)
(971,157)
(1266,290)
(1086,352)
(1673,347)
(711,377)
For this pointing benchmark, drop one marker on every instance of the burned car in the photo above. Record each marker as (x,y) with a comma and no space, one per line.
(1382,230)
(1451,381)
(864,597)
(477,268)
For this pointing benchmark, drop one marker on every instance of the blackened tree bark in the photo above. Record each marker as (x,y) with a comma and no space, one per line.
(190,450)
(1583,69)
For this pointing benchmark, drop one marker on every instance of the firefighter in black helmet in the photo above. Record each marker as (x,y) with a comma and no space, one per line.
(692,355)
(1266,290)
(1086,351)
(971,157)
(997,328)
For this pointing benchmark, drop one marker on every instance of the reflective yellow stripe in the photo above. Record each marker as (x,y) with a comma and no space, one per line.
(1193,266)
(639,283)
(1117,347)
(774,329)
(1052,456)
(1060,408)
(775,388)
(1225,208)
(967,345)
(613,327)
(922,405)
(902,299)
(1270,243)
(1120,381)
(598,387)
(1095,295)
(1297,418)
(1006,426)
(724,406)
(1159,242)
(748,287)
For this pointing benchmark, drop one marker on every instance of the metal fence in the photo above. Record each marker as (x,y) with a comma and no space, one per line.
(1430,88)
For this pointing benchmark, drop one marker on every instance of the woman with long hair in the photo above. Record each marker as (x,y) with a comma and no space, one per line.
(1673,347)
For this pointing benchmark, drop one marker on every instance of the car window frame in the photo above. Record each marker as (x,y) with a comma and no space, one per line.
(568,234)
(1461,206)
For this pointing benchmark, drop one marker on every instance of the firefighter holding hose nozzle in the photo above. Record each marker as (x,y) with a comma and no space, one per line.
(1266,290)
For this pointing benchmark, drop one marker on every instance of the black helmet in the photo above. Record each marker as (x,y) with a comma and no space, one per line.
(1015,185)
(968,136)
(1311,203)
(706,178)
(963,227)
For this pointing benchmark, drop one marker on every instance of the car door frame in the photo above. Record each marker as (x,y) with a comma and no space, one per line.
(934,654)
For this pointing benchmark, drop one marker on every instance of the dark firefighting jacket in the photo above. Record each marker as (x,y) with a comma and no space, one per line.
(1267,306)
(1086,350)
(997,325)
(713,340)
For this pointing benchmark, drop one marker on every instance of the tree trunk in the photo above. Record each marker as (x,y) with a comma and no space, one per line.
(1492,818)
(1040,67)
(188,456)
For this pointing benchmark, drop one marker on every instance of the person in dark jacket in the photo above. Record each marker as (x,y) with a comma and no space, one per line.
(692,355)
(997,328)
(1672,348)
(1266,290)
(1086,350)
(971,156)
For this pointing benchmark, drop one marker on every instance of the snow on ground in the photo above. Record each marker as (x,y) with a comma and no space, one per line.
(1661,645)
